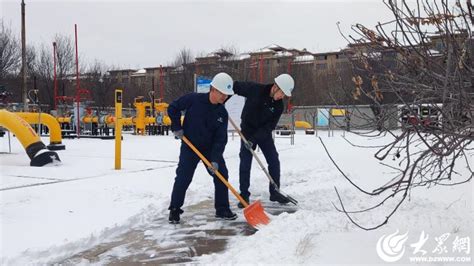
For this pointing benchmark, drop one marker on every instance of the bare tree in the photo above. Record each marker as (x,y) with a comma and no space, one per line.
(9,51)
(44,73)
(65,61)
(182,77)
(228,62)
(99,84)
(30,59)
(416,70)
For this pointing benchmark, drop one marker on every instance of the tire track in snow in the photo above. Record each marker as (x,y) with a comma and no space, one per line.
(129,159)
(55,181)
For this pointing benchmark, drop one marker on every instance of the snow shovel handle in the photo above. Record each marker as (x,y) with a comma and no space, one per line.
(216,172)
(238,130)
(253,153)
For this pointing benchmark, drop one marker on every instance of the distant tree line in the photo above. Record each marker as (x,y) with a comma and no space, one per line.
(313,87)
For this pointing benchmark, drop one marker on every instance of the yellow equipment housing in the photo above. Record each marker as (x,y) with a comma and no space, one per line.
(303,124)
(140,106)
(166,120)
(160,107)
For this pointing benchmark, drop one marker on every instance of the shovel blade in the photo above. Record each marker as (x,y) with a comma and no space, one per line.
(286,196)
(255,215)
(291,199)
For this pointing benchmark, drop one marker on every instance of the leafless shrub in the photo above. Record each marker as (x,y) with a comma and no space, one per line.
(416,69)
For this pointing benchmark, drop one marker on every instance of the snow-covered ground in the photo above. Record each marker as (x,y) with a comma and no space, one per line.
(54,212)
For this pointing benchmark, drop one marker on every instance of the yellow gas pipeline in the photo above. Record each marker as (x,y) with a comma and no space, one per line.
(150,120)
(34,147)
(106,119)
(109,119)
(127,121)
(64,119)
(55,138)
(90,119)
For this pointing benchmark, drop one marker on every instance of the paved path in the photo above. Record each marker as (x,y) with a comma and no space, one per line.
(163,243)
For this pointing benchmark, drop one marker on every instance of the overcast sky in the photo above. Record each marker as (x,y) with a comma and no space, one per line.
(138,34)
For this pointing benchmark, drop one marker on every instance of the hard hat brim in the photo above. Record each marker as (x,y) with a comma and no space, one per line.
(231,92)
(286,93)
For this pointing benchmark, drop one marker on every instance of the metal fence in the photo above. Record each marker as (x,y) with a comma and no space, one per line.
(328,118)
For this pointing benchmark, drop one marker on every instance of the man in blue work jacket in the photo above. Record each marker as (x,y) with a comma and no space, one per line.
(205,125)
(262,110)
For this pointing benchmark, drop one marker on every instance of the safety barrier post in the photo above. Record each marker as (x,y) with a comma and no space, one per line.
(118,129)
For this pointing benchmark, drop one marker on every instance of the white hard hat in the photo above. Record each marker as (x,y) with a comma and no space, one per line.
(223,83)
(286,83)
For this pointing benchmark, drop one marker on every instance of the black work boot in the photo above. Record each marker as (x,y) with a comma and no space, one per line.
(226,215)
(279,197)
(174,215)
(246,198)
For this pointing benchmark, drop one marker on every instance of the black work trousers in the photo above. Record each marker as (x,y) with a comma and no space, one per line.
(188,161)
(271,156)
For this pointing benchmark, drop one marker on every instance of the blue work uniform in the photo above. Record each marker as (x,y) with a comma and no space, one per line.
(259,118)
(205,125)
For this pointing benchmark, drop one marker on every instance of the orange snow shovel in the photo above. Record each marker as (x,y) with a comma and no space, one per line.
(254,213)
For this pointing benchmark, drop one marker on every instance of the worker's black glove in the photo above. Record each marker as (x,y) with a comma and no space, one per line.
(248,145)
(178,134)
(215,167)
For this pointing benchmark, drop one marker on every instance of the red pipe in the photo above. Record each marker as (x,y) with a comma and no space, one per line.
(55,80)
(254,69)
(153,85)
(77,86)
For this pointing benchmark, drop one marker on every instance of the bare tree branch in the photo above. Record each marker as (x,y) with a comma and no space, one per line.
(417,70)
